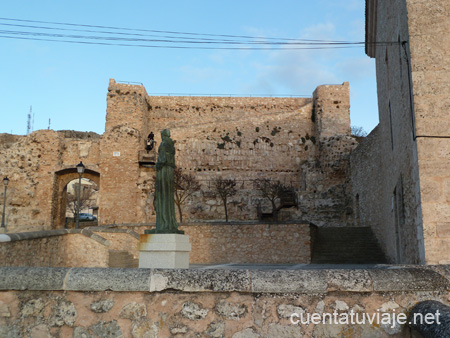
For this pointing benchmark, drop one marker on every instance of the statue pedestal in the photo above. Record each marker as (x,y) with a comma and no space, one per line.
(164,251)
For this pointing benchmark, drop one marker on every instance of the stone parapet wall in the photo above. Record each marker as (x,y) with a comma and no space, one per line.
(211,243)
(211,303)
(252,243)
(54,248)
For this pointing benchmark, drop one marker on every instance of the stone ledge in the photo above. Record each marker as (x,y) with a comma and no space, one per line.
(20,236)
(204,222)
(90,232)
(390,279)
(102,229)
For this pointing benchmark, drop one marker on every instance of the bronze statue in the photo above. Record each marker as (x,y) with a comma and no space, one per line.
(166,222)
(150,142)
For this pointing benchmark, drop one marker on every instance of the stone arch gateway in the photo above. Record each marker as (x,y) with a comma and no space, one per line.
(62,178)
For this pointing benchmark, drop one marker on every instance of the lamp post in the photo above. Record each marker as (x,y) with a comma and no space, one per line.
(80,170)
(5,183)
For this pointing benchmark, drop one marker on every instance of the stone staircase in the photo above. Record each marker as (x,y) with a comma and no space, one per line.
(287,200)
(122,259)
(346,245)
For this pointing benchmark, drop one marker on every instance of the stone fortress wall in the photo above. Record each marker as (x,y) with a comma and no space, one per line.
(243,138)
(304,142)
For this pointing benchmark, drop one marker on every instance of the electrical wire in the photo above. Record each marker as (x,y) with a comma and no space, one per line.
(171,47)
(201,40)
(164,41)
(161,31)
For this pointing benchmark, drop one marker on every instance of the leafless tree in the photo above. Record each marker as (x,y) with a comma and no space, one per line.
(86,198)
(358,131)
(185,186)
(272,190)
(225,188)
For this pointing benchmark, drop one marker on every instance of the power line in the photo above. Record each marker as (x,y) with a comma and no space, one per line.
(162,31)
(172,47)
(183,39)
(111,38)
(163,41)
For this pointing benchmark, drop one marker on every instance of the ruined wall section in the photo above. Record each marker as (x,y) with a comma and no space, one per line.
(429,44)
(217,133)
(126,105)
(26,161)
(332,110)
(326,185)
(276,138)
(326,181)
(31,163)
(243,138)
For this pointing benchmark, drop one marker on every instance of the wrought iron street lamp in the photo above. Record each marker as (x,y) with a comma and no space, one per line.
(80,170)
(5,183)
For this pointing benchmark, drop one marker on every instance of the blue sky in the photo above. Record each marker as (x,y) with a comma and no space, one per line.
(67,83)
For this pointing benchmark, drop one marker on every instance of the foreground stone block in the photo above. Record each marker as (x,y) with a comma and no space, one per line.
(164,251)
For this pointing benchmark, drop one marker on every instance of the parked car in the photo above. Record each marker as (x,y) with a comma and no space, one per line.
(87,217)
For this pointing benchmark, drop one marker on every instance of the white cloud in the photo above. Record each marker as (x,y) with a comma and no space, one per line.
(295,72)
(299,71)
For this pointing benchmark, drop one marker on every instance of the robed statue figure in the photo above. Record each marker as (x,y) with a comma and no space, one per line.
(166,222)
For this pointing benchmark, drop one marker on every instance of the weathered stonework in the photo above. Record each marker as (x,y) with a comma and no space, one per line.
(237,303)
(36,164)
(303,142)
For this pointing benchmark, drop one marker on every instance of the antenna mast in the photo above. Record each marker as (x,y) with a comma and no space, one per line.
(32,124)
(29,120)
